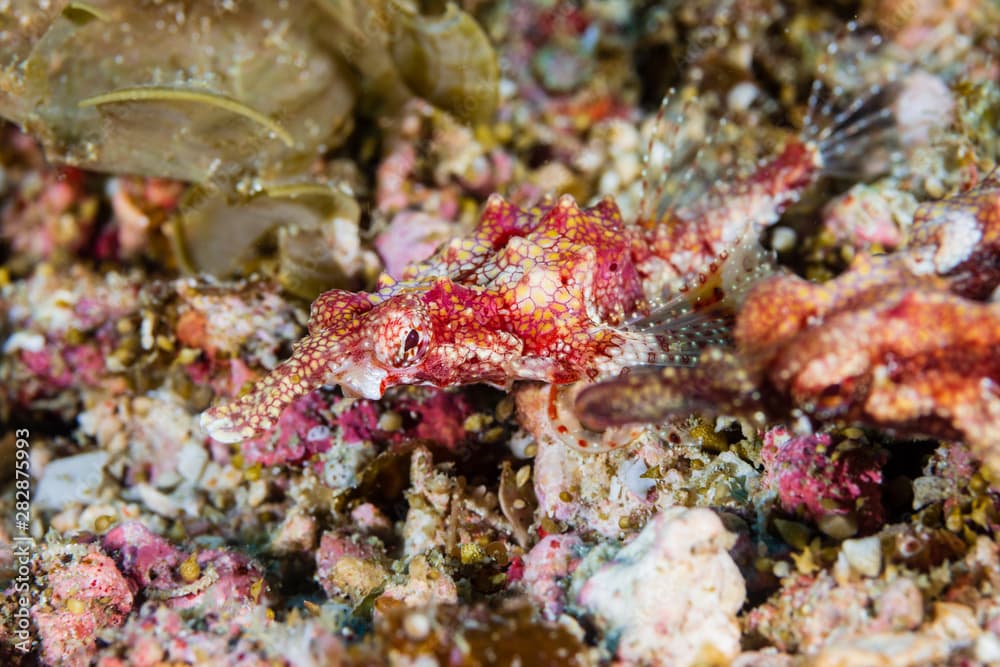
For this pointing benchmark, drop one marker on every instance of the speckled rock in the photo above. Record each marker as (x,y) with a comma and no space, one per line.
(87,595)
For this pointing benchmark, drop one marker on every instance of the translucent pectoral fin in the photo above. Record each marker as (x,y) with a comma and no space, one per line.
(674,341)
(313,360)
(710,297)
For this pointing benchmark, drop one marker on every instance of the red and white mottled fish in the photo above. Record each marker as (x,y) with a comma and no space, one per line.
(557,294)
(905,342)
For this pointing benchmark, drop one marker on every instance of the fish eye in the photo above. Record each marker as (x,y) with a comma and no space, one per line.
(410,348)
(412,340)
(400,343)
(400,335)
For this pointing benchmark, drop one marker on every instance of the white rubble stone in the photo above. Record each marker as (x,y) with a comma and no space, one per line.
(864,555)
(671,596)
(74,479)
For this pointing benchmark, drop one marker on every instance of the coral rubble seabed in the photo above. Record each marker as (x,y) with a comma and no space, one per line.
(814,478)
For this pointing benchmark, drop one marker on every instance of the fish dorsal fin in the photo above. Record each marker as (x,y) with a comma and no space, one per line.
(672,163)
(849,114)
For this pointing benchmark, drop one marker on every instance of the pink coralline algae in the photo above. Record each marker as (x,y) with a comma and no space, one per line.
(65,335)
(300,434)
(412,236)
(75,365)
(819,481)
(309,426)
(546,569)
(437,416)
(50,218)
(146,557)
(90,595)
(226,583)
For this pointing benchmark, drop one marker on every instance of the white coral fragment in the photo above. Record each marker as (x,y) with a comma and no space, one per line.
(671,596)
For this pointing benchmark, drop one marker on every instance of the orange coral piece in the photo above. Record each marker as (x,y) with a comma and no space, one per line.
(893,342)
(914,361)
(959,238)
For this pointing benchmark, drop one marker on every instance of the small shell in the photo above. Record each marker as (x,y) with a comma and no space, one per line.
(864,555)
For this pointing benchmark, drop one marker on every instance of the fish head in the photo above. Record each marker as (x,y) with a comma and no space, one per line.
(386,349)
